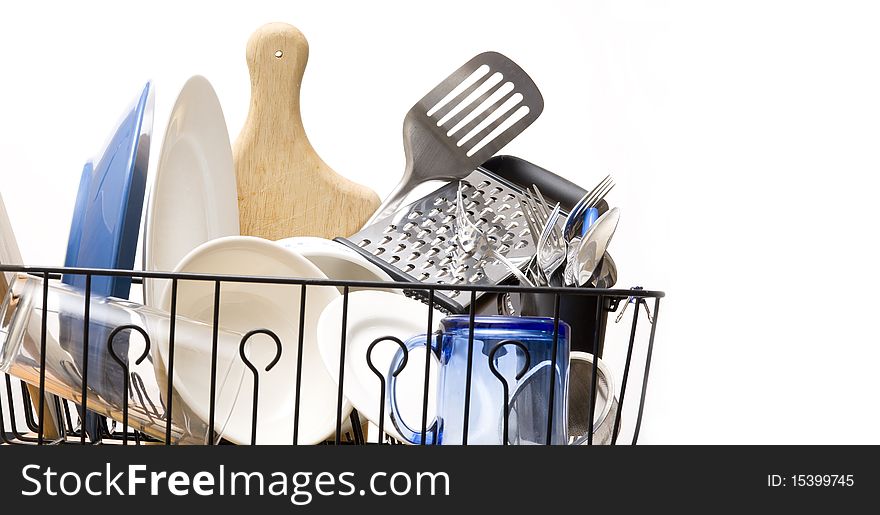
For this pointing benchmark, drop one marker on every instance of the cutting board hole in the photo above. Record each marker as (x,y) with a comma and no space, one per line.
(279,54)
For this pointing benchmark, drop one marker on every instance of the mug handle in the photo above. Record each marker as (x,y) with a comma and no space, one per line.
(413,437)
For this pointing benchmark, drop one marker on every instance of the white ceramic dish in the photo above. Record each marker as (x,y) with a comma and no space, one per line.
(245,307)
(372,315)
(193,197)
(335,259)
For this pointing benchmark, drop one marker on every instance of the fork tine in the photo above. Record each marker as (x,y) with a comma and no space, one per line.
(541,202)
(540,218)
(591,198)
(527,214)
(600,196)
(557,232)
(578,209)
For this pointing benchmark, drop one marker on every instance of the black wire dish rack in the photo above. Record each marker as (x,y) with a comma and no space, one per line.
(31,401)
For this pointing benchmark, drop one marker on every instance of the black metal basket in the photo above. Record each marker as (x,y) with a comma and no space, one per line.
(21,407)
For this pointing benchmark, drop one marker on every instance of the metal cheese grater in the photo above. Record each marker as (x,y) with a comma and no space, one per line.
(417,243)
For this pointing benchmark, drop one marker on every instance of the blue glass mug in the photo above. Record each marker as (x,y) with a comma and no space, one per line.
(510,360)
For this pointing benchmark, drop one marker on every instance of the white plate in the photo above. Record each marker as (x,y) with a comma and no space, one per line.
(335,259)
(193,198)
(245,307)
(372,315)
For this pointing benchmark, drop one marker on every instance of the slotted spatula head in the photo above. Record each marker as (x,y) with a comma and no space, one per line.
(464,121)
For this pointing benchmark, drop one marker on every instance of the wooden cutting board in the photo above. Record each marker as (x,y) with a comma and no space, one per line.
(284,187)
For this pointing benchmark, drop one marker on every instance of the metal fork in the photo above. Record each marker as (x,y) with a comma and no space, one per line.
(591,199)
(551,247)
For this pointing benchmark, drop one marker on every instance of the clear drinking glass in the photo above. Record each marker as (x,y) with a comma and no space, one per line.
(127,323)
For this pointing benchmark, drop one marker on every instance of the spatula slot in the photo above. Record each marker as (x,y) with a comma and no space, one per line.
(477,74)
(482,89)
(497,113)
(493,99)
(509,122)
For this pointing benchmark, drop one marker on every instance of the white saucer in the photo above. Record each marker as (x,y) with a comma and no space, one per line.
(372,315)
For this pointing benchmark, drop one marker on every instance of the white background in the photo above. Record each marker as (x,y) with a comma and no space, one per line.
(743,137)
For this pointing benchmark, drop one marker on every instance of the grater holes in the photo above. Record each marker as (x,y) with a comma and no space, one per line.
(477,193)
(391,228)
(415,214)
(409,267)
(409,225)
(378,251)
(364,242)
(439,201)
(423,234)
(414,256)
(393,259)
(521,244)
(483,184)
(385,239)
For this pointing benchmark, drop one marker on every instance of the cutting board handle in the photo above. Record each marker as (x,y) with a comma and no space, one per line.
(277,54)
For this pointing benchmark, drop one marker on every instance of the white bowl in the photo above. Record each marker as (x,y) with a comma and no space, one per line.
(245,307)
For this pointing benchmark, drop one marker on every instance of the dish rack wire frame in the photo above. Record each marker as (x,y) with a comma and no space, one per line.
(33,431)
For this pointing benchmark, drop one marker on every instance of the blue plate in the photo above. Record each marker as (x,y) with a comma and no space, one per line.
(109,203)
(104,234)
